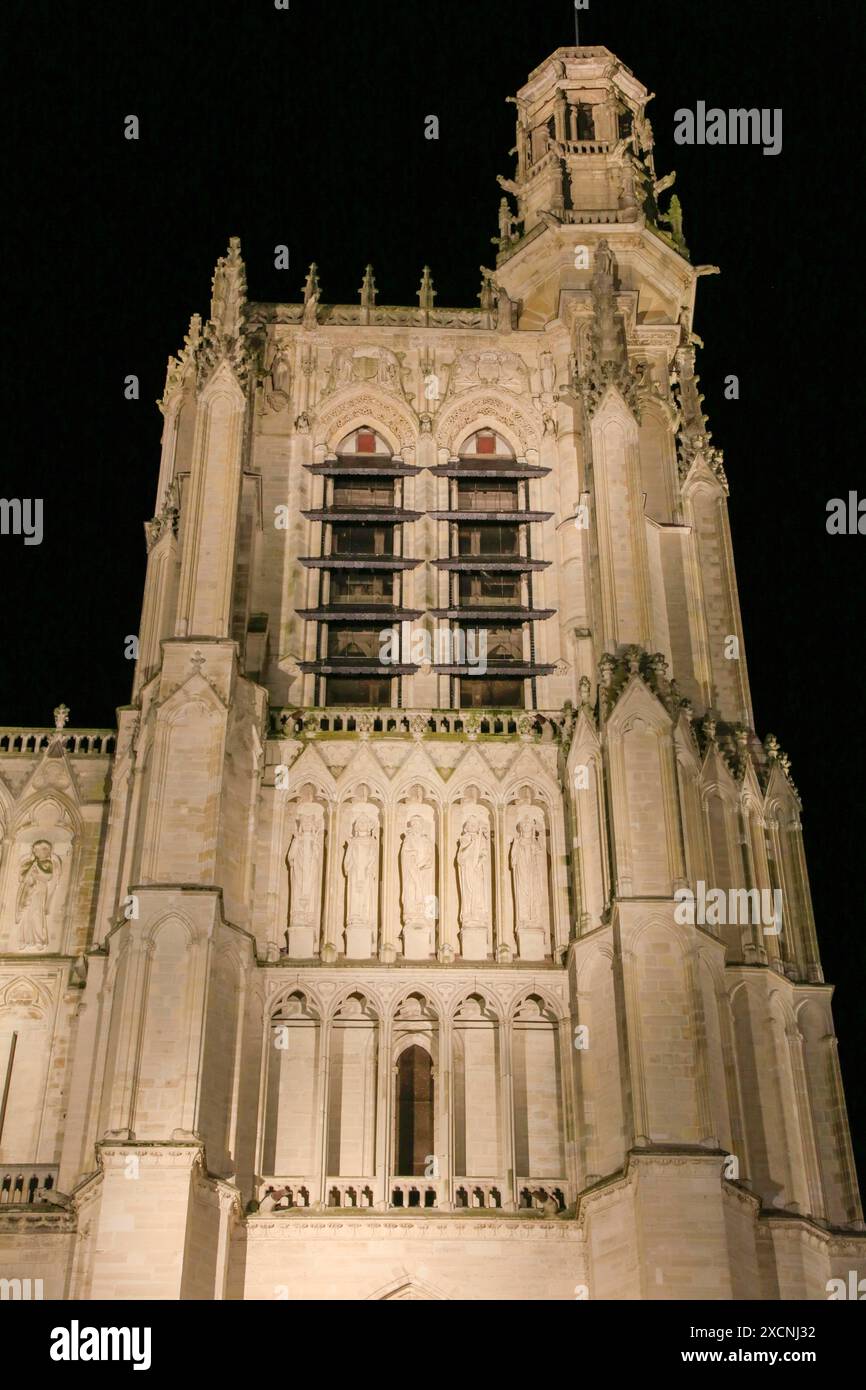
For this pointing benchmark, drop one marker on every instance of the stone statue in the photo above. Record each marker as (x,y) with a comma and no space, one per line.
(473,872)
(311,311)
(304,861)
(487,296)
(527,868)
(417,866)
(40,875)
(603,259)
(362,873)
(281,372)
(548,373)
(505,308)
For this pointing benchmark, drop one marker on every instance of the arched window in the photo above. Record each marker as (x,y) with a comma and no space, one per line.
(488,504)
(414,1111)
(363,496)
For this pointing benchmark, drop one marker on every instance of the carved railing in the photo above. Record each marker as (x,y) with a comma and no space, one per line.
(286,1194)
(412,1194)
(530,725)
(491,1194)
(95,742)
(351,1193)
(416,1194)
(27,1184)
(587,146)
(534,1192)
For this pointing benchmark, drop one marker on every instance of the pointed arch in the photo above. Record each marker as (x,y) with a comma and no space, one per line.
(369,1001)
(352,408)
(484,408)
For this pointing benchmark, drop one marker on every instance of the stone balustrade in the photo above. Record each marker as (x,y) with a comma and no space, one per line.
(417,723)
(27,1184)
(409,1193)
(79,742)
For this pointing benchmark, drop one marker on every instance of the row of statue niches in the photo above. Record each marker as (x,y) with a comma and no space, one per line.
(415,872)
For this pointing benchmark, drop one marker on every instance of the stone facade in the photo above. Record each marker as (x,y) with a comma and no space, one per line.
(360,963)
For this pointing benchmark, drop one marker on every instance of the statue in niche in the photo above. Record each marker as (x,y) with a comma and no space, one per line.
(505,311)
(304,861)
(418,870)
(527,869)
(39,877)
(603,259)
(473,872)
(281,372)
(547,368)
(362,873)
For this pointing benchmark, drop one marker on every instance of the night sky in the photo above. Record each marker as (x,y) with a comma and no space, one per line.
(306,128)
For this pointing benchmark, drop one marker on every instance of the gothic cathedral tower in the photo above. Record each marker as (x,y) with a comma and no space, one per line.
(439,909)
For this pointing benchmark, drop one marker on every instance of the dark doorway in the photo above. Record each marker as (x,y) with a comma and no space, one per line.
(414,1112)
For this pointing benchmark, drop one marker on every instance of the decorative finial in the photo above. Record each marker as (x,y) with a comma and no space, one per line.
(426,293)
(312,292)
(192,337)
(606,667)
(659,666)
(673,218)
(311,284)
(228,291)
(61,716)
(368,289)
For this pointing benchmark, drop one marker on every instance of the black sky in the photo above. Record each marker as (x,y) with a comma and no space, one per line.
(307,128)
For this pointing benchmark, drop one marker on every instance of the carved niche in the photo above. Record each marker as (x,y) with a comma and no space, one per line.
(472,862)
(526,833)
(305,862)
(419,906)
(40,868)
(361,873)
